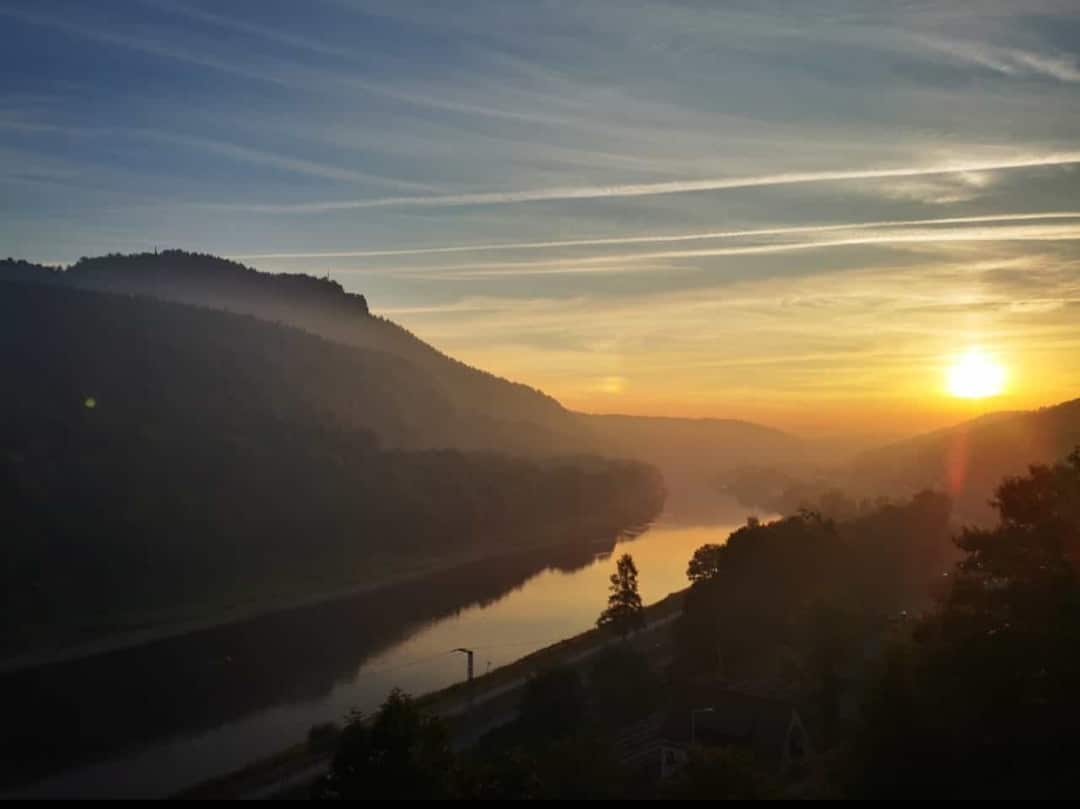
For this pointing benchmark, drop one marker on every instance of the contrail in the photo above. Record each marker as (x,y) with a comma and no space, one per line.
(649,189)
(683,237)
(613,264)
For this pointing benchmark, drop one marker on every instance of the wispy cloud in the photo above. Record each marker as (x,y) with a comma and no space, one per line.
(672,187)
(892,319)
(145,44)
(680,237)
(272,34)
(1004,60)
(250,154)
(236,151)
(626,262)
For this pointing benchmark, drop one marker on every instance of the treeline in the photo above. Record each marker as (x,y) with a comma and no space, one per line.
(978,698)
(930,665)
(557,747)
(159,274)
(774,490)
(159,461)
(779,616)
(790,608)
(925,664)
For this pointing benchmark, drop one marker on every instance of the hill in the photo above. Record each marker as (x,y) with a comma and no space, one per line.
(165,462)
(970,459)
(694,453)
(473,409)
(488,412)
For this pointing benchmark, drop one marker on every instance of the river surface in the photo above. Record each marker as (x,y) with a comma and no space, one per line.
(187,710)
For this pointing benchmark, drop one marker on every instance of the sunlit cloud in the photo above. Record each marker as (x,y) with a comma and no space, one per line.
(873,330)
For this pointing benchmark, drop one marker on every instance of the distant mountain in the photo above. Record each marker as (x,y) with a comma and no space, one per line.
(970,459)
(470,408)
(163,463)
(693,453)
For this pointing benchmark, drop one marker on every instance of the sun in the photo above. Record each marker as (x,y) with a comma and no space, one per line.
(975,375)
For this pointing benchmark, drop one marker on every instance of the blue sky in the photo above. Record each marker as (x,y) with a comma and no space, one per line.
(754,209)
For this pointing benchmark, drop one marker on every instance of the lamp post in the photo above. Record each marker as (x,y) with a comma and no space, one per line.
(469,677)
(693,724)
(469,663)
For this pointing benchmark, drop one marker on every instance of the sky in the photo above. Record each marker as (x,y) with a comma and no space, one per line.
(794,213)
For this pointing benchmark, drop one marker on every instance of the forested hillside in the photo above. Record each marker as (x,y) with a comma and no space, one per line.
(470,409)
(969,460)
(166,462)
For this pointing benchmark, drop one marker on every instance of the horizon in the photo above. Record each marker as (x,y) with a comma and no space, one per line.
(795,218)
(842,441)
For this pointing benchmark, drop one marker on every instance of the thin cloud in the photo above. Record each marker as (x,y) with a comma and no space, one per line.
(652,189)
(683,237)
(624,263)
(248,154)
(292,78)
(1006,61)
(147,45)
(254,29)
(235,151)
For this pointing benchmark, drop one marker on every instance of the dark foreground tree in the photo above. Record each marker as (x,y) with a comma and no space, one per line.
(705,564)
(624,611)
(622,686)
(983,700)
(720,773)
(401,753)
(552,704)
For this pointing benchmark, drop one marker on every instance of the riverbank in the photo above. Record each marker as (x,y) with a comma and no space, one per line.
(405,572)
(158,719)
(291,766)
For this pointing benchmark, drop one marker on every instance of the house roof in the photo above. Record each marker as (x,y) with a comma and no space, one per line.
(736,718)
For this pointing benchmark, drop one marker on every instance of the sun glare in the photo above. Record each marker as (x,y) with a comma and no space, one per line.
(974,375)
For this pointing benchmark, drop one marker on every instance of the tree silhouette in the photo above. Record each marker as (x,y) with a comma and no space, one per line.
(982,699)
(401,753)
(705,563)
(624,611)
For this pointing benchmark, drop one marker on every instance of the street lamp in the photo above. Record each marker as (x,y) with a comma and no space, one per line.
(468,676)
(693,725)
(469,664)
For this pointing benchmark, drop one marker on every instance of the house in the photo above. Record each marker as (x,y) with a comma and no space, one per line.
(714,715)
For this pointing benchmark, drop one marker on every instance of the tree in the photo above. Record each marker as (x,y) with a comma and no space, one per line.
(401,753)
(705,563)
(725,773)
(323,737)
(624,611)
(552,704)
(622,686)
(987,703)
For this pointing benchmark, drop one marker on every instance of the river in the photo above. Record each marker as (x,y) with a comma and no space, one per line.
(187,710)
